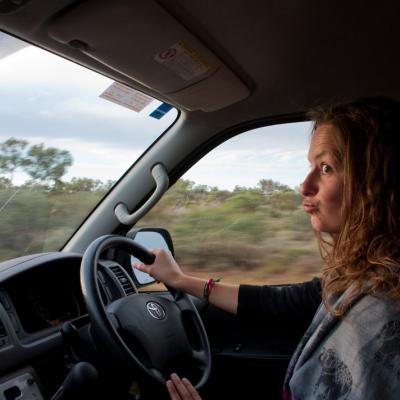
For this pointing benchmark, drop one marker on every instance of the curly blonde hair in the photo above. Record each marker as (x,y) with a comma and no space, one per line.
(365,255)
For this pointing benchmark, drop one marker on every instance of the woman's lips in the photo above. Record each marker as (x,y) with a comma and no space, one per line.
(309,207)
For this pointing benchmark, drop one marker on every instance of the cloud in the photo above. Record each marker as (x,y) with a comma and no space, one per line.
(50,100)
(30,114)
(104,163)
(276,152)
(45,95)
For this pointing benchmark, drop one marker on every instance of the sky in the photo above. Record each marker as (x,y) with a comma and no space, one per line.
(46,99)
(276,152)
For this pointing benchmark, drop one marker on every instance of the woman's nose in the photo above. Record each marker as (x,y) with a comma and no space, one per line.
(309,187)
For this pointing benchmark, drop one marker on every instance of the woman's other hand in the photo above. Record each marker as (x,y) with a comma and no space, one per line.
(164,269)
(181,389)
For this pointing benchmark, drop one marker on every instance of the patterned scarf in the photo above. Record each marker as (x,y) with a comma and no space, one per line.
(353,357)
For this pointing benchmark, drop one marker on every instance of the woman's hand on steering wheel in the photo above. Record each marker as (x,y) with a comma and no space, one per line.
(181,389)
(164,269)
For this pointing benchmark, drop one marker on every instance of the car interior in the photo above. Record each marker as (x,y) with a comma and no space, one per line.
(76,321)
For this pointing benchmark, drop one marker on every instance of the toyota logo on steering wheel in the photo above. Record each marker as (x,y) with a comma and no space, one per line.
(155,310)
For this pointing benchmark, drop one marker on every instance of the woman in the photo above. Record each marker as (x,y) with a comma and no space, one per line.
(352,193)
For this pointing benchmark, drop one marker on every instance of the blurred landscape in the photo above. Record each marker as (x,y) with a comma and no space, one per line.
(249,234)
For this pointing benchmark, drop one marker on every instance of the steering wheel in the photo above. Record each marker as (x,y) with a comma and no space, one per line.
(157,334)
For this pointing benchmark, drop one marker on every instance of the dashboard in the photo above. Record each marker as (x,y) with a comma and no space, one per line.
(43,299)
(38,294)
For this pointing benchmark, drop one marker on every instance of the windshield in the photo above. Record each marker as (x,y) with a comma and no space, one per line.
(66,135)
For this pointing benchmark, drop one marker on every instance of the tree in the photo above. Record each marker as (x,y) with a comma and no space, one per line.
(106,186)
(12,156)
(47,164)
(181,193)
(83,185)
(268,186)
(5,183)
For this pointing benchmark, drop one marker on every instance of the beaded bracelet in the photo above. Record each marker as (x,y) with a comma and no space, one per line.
(208,287)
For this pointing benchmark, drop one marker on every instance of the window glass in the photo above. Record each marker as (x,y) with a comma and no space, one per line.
(238,212)
(66,135)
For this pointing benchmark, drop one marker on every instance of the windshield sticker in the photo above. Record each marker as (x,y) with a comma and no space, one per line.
(160,111)
(126,97)
(183,61)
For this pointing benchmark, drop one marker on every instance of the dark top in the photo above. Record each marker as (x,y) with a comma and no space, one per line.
(288,303)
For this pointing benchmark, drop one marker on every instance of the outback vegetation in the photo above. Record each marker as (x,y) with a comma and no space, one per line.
(251,235)
(247,234)
(41,213)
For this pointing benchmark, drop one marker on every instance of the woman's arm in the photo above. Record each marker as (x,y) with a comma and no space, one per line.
(224,296)
(165,269)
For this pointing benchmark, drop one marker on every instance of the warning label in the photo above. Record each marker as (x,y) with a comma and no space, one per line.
(126,96)
(183,61)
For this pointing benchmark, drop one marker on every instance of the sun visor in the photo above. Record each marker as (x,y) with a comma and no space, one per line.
(140,40)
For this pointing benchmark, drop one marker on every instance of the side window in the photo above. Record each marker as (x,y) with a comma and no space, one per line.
(237,214)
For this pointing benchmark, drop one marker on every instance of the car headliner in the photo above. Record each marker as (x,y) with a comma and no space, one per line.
(288,56)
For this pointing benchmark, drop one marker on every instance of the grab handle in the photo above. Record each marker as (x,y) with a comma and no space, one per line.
(160,176)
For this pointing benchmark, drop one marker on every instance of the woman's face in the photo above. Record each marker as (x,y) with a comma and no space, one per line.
(322,188)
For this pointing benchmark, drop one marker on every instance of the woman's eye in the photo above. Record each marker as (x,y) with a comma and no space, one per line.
(325,169)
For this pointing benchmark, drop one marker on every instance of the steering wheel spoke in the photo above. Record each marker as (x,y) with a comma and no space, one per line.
(183,301)
(158,374)
(114,320)
(200,357)
(144,331)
